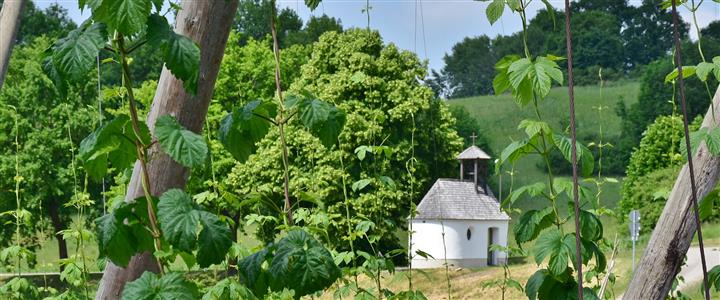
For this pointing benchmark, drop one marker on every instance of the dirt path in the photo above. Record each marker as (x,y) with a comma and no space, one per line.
(692,271)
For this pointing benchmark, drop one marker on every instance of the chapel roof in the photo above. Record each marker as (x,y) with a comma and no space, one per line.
(456,199)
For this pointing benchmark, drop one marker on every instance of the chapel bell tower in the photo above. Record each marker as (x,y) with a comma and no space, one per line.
(474,166)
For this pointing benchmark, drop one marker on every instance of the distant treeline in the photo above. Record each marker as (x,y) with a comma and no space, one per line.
(607,34)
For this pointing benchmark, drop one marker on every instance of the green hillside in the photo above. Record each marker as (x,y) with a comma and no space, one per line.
(499,116)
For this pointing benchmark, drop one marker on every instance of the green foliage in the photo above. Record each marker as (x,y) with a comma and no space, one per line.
(44,115)
(659,153)
(314,28)
(75,54)
(648,195)
(297,261)
(584,156)
(714,277)
(525,78)
(531,223)
(375,84)
(184,146)
(121,233)
(180,219)
(646,33)
(52,22)
(125,16)
(557,247)
(19,288)
(659,148)
(323,120)
(253,18)
(529,81)
(611,35)
(180,53)
(660,98)
(242,129)
(228,289)
(114,142)
(150,286)
(469,68)
(247,72)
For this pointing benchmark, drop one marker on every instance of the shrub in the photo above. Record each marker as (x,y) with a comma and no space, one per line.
(659,150)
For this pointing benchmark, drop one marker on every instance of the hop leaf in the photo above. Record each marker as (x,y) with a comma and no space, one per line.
(552,244)
(584,156)
(170,286)
(74,55)
(125,16)
(243,128)
(180,220)
(180,54)
(301,263)
(184,146)
(120,233)
(312,4)
(495,10)
(114,142)
(323,120)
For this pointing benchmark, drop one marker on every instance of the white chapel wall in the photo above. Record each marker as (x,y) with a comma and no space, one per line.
(461,252)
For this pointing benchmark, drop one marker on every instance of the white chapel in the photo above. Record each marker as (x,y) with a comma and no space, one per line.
(468,214)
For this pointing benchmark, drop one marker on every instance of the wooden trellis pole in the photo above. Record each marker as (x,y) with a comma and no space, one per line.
(207,23)
(676,227)
(10,16)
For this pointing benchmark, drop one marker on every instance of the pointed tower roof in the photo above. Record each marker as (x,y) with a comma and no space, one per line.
(473,152)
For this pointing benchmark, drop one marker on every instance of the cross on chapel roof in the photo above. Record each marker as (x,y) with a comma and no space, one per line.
(473,152)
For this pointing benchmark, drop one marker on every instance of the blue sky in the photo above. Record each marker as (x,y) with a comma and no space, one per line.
(401,21)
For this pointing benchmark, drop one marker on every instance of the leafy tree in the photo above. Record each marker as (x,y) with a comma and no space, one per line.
(648,194)
(438,83)
(466,126)
(656,96)
(376,85)
(646,33)
(253,21)
(617,8)
(45,115)
(596,38)
(313,29)
(469,67)
(653,167)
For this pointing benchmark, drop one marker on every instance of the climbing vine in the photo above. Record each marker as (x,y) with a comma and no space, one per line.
(529,78)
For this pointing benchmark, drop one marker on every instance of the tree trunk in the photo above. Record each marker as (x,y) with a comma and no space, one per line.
(54,211)
(10,16)
(208,24)
(232,263)
(676,227)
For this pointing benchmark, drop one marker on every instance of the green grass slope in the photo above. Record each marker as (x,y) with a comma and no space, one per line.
(500,115)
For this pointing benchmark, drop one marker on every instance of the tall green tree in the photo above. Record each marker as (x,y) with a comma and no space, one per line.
(470,67)
(647,35)
(617,8)
(313,29)
(253,21)
(48,120)
(376,85)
